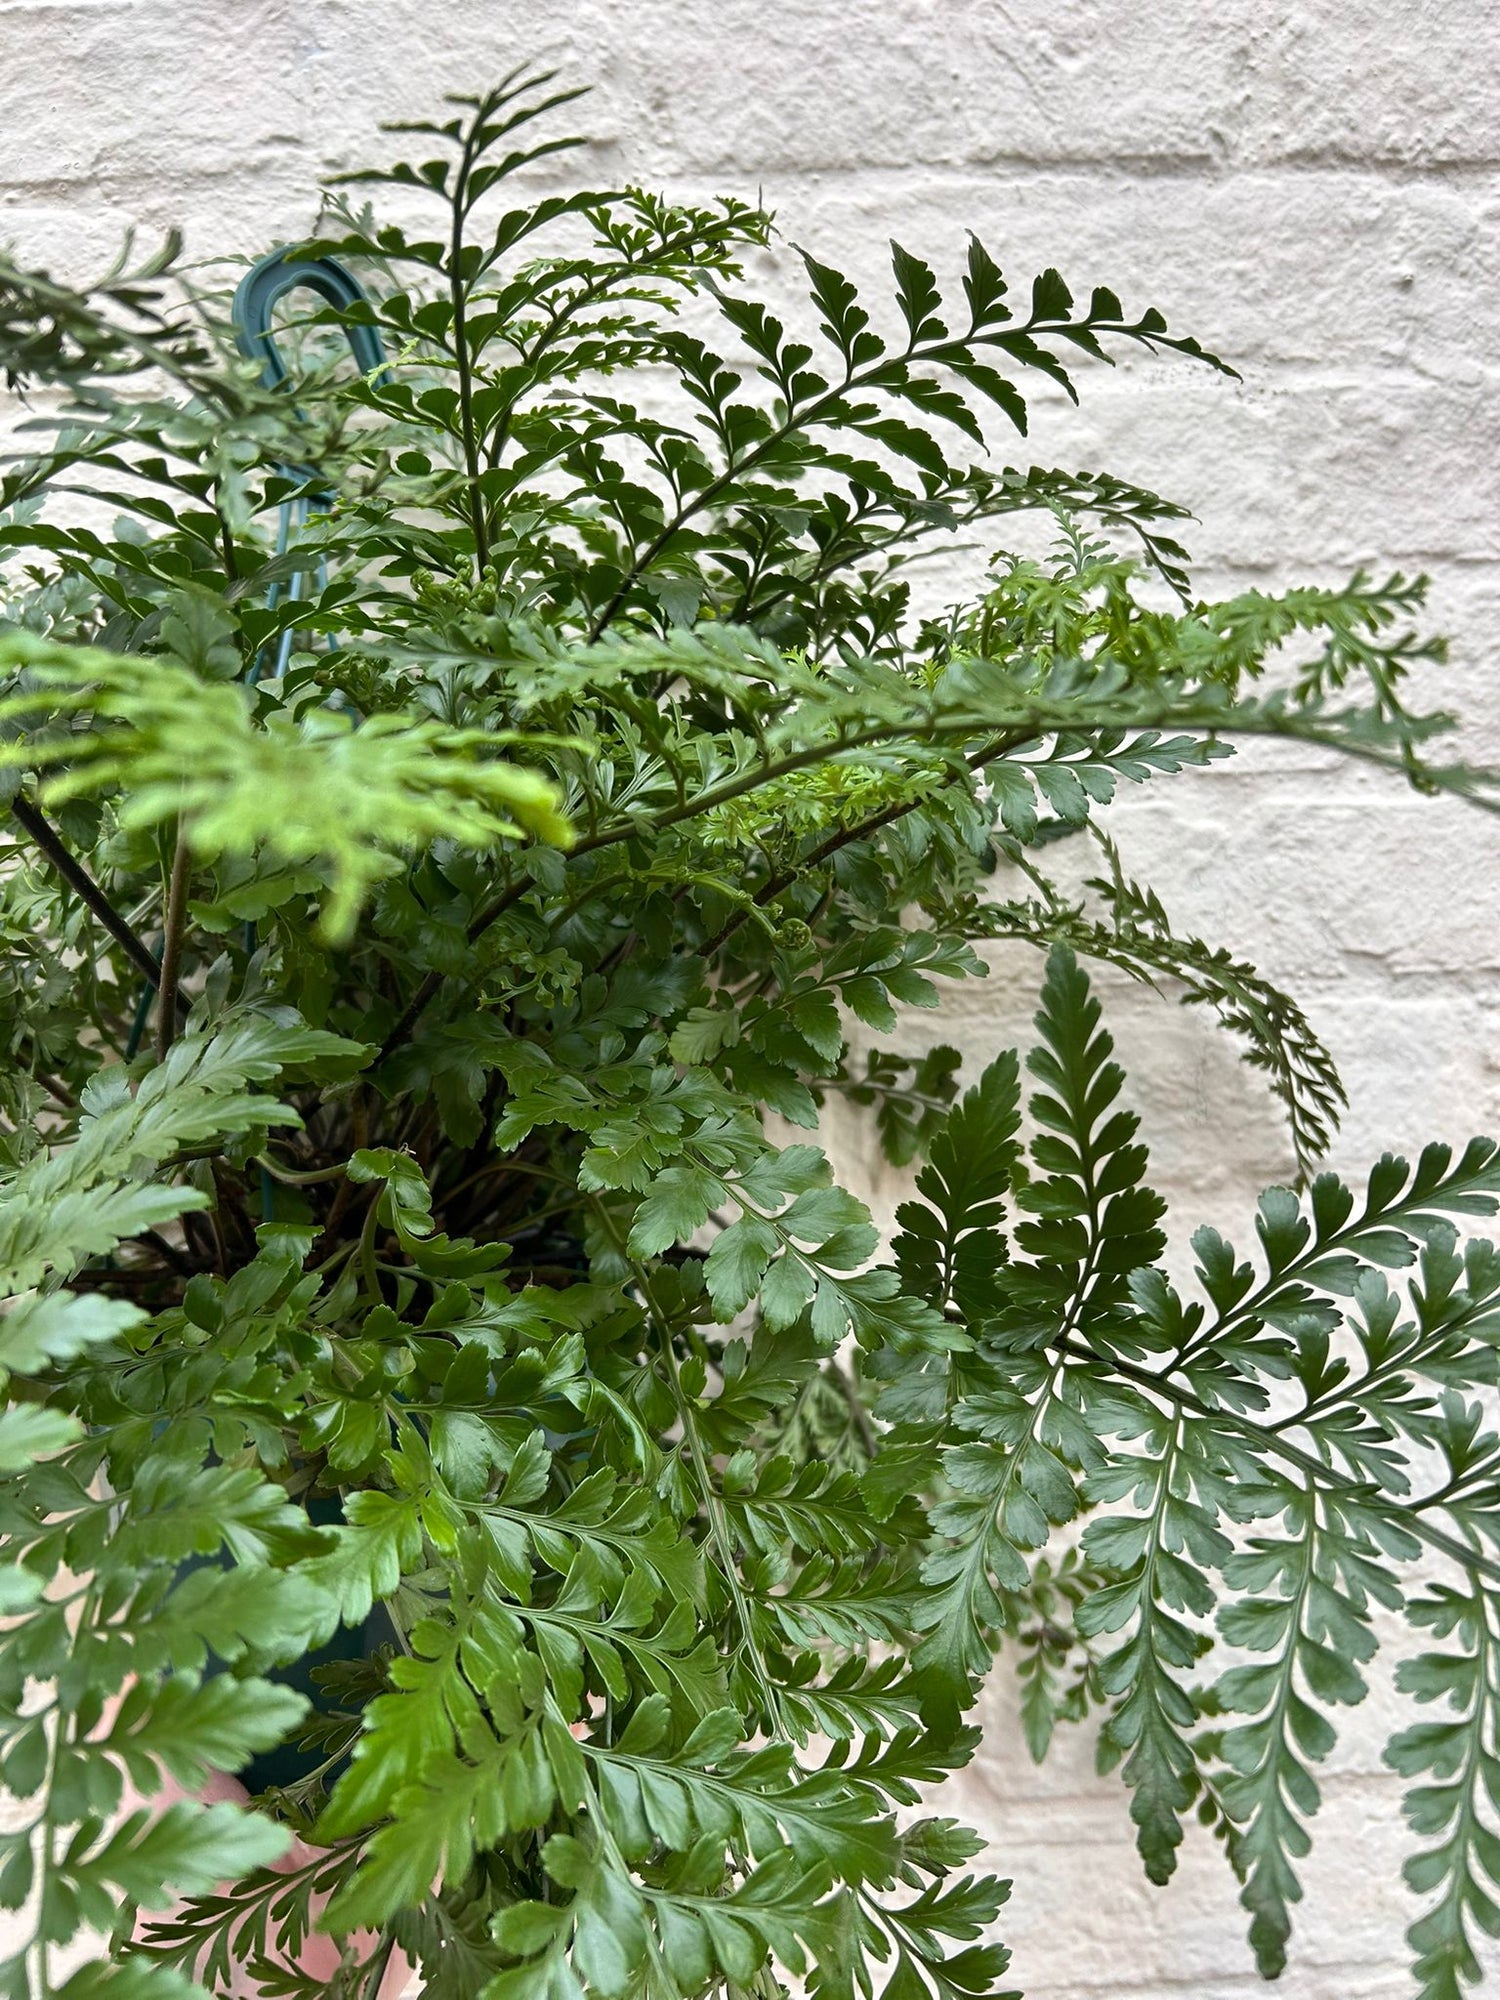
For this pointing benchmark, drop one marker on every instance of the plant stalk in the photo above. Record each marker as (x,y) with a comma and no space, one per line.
(44,836)
(171,950)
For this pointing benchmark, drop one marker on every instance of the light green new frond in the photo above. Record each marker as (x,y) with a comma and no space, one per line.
(188,1848)
(309,787)
(58,1326)
(1236,635)
(130,1979)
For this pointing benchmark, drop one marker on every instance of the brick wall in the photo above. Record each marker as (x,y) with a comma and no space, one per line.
(1313,188)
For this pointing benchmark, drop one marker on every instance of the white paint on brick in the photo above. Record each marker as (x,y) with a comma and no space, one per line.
(1311,187)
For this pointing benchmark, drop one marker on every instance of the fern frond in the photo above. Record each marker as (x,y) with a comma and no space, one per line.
(309,788)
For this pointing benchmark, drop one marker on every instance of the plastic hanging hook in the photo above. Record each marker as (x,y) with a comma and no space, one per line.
(262,288)
(268,281)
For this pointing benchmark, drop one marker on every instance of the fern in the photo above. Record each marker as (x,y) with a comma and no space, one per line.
(444,814)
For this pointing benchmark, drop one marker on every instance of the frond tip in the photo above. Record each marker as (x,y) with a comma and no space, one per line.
(308,786)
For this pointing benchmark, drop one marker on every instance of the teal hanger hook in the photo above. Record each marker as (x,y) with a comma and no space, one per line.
(268,281)
(263,286)
(261,290)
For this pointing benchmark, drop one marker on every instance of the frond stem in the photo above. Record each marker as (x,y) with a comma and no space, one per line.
(463,357)
(171,947)
(1338,1483)
(85,888)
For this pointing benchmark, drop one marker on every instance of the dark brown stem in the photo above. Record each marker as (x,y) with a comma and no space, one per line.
(458,292)
(171,951)
(236,1227)
(428,990)
(826,849)
(202,1237)
(359,1134)
(168,1253)
(226,546)
(83,885)
(719,794)
(141,1279)
(432,984)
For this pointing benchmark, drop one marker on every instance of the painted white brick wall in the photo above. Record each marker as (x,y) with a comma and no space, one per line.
(1313,187)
